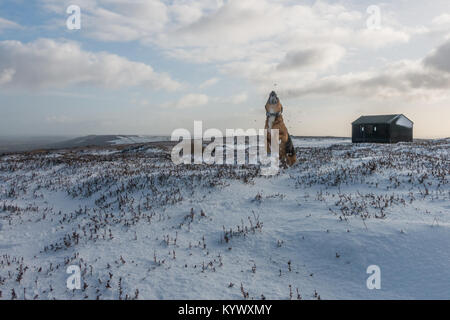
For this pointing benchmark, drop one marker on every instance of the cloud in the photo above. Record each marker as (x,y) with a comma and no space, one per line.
(124,21)
(191,100)
(239,98)
(269,42)
(46,63)
(6,76)
(296,45)
(439,59)
(233,99)
(269,29)
(443,19)
(112,20)
(7,24)
(58,120)
(438,26)
(312,58)
(217,31)
(428,78)
(441,24)
(209,83)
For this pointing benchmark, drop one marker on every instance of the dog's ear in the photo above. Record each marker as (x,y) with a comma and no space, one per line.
(281,109)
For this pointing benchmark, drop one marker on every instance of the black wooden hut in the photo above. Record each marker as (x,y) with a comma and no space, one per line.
(382,129)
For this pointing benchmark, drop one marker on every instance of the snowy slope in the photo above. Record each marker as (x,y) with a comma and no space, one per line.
(140,227)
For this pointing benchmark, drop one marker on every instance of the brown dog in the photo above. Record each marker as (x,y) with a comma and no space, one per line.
(274,120)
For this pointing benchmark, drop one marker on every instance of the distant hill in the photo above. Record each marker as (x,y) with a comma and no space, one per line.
(27,143)
(91,140)
(21,144)
(106,140)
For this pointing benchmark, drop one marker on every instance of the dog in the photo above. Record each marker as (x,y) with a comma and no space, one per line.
(274,120)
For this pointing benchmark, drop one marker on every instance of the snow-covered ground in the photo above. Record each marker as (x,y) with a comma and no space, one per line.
(319,142)
(140,227)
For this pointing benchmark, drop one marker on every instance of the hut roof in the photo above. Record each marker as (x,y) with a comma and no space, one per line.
(378,119)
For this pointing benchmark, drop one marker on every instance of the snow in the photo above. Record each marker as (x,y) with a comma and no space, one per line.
(318,142)
(134,221)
